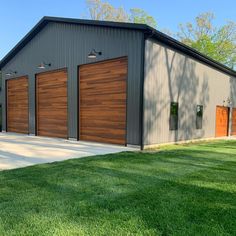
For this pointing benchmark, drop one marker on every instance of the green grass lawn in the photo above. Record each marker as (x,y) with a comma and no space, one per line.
(180,190)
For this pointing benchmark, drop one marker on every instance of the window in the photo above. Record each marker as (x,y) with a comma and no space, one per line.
(199,116)
(174,115)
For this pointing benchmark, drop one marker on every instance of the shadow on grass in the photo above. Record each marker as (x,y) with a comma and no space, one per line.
(154,193)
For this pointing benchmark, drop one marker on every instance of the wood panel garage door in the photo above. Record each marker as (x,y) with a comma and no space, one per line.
(222,121)
(103,101)
(18,105)
(233,126)
(51,96)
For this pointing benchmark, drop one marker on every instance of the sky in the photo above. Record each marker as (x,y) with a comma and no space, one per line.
(17,17)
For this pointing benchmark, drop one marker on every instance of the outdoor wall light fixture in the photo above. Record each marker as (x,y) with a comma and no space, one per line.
(229,101)
(43,65)
(10,73)
(93,54)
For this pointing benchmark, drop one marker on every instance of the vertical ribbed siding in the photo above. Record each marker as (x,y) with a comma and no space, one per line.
(172,76)
(67,46)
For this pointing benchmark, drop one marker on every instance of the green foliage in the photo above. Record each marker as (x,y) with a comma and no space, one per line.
(179,190)
(140,16)
(99,10)
(218,43)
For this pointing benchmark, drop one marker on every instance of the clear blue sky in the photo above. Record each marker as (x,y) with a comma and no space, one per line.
(17,17)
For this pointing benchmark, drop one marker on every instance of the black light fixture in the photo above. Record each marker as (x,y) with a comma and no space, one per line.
(229,101)
(11,72)
(43,65)
(93,54)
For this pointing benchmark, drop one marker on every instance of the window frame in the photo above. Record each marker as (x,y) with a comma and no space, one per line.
(199,116)
(174,117)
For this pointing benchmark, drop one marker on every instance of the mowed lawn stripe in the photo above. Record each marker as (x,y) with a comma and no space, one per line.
(177,190)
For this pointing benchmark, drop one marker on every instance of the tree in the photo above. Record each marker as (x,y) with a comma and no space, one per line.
(218,43)
(99,10)
(140,16)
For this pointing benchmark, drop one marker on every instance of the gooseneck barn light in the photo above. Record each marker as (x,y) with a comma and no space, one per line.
(43,65)
(11,72)
(229,100)
(93,54)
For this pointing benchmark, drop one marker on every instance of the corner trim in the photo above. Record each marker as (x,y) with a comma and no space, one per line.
(142,71)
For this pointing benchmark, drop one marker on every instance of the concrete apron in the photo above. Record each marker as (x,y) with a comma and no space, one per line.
(18,150)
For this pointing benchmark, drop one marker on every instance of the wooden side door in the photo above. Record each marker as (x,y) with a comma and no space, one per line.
(222,121)
(233,124)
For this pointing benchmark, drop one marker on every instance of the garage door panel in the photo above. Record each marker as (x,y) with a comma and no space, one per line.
(96,138)
(17,117)
(52,101)
(118,119)
(18,105)
(107,72)
(104,84)
(52,104)
(222,121)
(46,105)
(18,93)
(119,86)
(105,123)
(110,98)
(104,129)
(103,101)
(53,134)
(51,114)
(18,123)
(56,88)
(106,111)
(16,100)
(52,121)
(50,127)
(56,95)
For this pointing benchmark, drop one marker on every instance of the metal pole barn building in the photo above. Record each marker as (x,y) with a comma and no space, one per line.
(110,82)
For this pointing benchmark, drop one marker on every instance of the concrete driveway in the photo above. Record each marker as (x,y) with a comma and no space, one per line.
(22,150)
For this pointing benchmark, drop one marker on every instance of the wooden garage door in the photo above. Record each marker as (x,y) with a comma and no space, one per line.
(103,101)
(222,121)
(18,105)
(51,96)
(233,126)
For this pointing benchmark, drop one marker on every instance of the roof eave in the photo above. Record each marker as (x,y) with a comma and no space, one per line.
(151,32)
(173,43)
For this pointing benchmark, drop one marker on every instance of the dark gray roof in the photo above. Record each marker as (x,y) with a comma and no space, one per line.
(148,31)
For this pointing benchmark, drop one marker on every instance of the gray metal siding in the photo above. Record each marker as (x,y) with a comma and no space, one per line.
(172,76)
(67,46)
